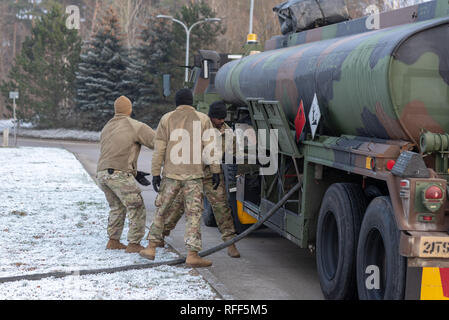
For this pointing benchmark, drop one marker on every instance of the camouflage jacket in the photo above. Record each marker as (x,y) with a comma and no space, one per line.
(227,145)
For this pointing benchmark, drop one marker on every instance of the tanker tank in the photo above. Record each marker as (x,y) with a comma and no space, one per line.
(389,84)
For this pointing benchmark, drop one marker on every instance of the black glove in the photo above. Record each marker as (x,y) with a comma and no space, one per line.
(140,177)
(216,180)
(156,183)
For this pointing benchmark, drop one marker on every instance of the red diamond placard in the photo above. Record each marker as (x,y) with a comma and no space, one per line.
(300,121)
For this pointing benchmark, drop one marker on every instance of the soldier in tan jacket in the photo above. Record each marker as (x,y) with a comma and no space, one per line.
(179,145)
(121,141)
(216,197)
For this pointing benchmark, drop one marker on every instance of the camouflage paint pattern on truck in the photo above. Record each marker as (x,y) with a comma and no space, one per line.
(374,177)
(390,83)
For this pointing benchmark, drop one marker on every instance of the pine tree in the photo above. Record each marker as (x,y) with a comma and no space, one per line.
(102,71)
(44,71)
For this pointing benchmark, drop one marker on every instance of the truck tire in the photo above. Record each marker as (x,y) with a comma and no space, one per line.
(208,215)
(230,173)
(381,270)
(338,228)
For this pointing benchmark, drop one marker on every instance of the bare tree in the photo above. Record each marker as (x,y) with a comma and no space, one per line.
(131,13)
(94,18)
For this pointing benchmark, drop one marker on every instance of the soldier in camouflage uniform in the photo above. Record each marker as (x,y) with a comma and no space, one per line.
(181,177)
(189,193)
(121,141)
(216,197)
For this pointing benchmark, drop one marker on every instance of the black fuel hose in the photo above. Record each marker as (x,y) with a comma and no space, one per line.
(254,226)
(181,260)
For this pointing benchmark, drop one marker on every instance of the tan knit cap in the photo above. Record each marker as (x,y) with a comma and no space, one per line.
(123,106)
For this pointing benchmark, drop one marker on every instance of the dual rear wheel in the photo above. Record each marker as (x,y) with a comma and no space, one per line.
(357,247)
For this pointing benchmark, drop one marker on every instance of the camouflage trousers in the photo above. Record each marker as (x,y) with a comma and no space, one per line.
(192,200)
(123,196)
(220,207)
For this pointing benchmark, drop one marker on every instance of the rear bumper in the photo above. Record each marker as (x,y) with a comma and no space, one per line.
(427,265)
(425,249)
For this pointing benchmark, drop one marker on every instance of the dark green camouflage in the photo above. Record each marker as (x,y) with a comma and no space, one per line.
(390,83)
(378,89)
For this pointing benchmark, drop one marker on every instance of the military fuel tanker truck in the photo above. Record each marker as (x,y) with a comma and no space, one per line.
(360,112)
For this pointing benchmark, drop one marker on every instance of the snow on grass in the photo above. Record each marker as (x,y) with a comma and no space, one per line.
(9,123)
(53,217)
(27,130)
(60,134)
(4,124)
(161,283)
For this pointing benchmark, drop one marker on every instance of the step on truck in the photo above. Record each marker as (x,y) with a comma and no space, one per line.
(360,115)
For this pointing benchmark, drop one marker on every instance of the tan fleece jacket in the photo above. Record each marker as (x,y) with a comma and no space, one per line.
(179,145)
(121,140)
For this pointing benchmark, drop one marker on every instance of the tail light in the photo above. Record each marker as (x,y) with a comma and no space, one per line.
(433,197)
(404,189)
(433,193)
(390,165)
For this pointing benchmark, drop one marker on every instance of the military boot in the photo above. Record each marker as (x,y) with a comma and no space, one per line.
(233,252)
(195,261)
(150,252)
(115,245)
(134,248)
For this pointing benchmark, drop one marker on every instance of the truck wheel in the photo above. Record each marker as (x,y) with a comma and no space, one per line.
(381,270)
(208,214)
(337,235)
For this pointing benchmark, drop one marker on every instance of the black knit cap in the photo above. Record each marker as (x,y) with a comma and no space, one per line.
(217,110)
(184,97)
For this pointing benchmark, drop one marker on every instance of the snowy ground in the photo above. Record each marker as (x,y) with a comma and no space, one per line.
(53,217)
(161,283)
(26,130)
(60,134)
(6,124)
(9,123)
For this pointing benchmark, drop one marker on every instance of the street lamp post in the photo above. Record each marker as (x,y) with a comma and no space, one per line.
(251,17)
(188,32)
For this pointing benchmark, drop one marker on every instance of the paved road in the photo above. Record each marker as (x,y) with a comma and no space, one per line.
(271,267)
